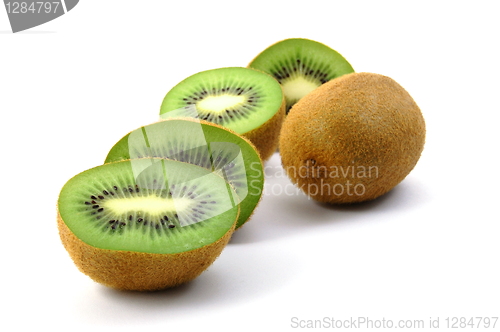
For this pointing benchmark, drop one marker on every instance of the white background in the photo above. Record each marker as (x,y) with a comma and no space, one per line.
(430,248)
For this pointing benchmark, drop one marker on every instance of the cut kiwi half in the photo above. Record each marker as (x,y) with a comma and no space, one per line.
(300,66)
(146,224)
(201,143)
(247,101)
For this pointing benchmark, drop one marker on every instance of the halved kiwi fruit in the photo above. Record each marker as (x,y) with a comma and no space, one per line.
(146,224)
(247,101)
(300,66)
(201,143)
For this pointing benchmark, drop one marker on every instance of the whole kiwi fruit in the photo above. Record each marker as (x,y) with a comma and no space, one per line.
(352,139)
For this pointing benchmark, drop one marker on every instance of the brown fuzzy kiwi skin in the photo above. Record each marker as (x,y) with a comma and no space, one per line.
(136,271)
(266,137)
(359,121)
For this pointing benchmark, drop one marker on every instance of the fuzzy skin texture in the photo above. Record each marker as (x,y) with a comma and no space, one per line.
(127,270)
(352,139)
(266,137)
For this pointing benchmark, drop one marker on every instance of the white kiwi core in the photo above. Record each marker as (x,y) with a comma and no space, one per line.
(151,204)
(297,87)
(220,103)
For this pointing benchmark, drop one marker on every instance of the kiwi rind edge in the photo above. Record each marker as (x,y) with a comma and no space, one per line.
(266,137)
(128,270)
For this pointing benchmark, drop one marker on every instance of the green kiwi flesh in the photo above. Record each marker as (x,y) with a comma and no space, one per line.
(204,144)
(240,99)
(148,205)
(300,66)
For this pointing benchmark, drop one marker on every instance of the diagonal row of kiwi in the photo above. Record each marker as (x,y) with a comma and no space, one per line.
(169,195)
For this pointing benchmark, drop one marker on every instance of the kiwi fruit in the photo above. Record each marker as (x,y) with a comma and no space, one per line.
(204,144)
(300,66)
(247,101)
(352,139)
(145,224)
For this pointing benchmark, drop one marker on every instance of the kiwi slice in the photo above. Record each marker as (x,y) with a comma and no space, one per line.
(204,144)
(300,66)
(247,101)
(146,224)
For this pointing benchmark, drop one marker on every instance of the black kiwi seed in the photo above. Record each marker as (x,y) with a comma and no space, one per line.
(105,192)
(171,226)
